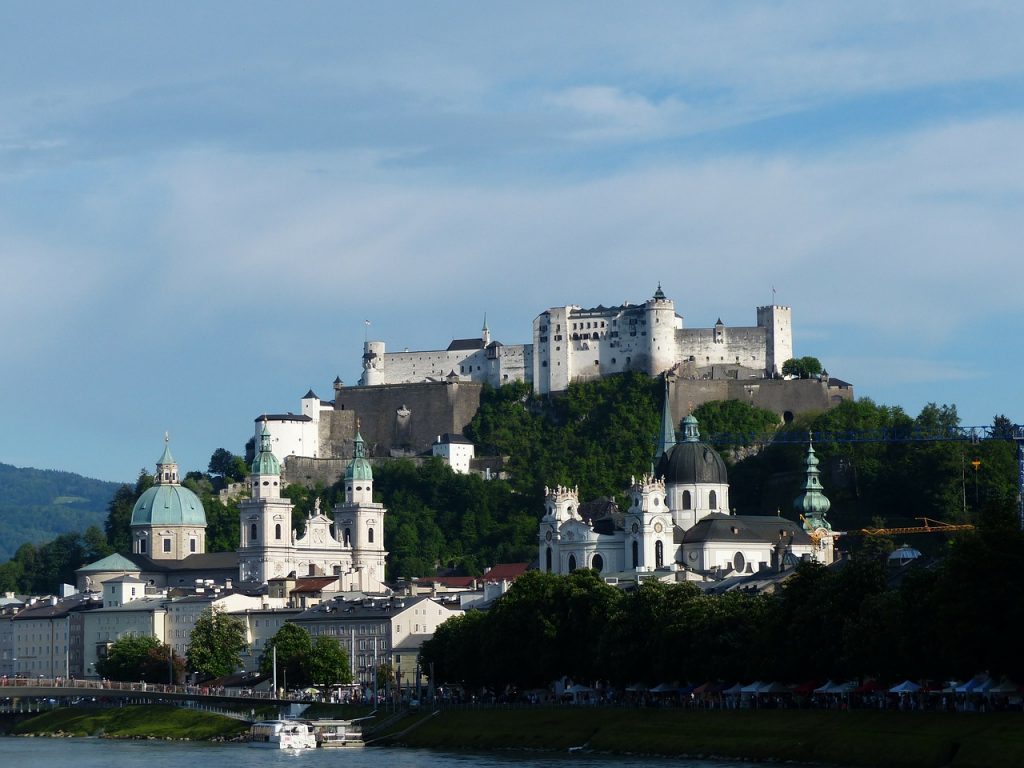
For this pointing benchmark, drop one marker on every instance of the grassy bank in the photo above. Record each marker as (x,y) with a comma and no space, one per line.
(139,721)
(900,740)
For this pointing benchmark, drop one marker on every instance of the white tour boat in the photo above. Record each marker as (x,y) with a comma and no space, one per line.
(282,734)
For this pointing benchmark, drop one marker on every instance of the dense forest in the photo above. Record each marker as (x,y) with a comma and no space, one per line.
(596,436)
(39,504)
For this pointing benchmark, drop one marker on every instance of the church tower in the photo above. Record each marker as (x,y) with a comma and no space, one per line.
(648,524)
(265,534)
(359,521)
(812,505)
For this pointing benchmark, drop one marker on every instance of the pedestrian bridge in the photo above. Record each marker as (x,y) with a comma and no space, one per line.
(28,688)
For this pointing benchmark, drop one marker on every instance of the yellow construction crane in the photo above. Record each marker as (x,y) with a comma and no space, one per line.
(929,526)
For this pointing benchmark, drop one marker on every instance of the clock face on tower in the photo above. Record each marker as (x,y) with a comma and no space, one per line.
(635,527)
(548,535)
(658,527)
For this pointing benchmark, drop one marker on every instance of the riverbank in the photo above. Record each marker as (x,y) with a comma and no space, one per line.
(155,721)
(857,738)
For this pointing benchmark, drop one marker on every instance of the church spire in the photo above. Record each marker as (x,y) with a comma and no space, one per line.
(812,503)
(166,466)
(667,433)
(485,333)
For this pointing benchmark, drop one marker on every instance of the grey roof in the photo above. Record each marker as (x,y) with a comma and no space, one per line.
(465,344)
(766,529)
(310,394)
(834,382)
(692,462)
(453,439)
(344,610)
(282,417)
(125,580)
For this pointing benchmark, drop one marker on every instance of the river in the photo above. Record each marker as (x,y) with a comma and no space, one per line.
(111,753)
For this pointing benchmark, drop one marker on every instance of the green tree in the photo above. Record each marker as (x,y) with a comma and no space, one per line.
(735,418)
(216,644)
(293,646)
(327,663)
(227,466)
(802,367)
(119,513)
(128,657)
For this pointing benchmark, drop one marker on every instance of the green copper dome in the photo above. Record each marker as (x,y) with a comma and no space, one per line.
(360,468)
(167,502)
(266,462)
(168,505)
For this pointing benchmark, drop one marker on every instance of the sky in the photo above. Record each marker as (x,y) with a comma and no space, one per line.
(201,203)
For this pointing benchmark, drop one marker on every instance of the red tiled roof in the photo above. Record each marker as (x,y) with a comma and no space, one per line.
(314,583)
(506,571)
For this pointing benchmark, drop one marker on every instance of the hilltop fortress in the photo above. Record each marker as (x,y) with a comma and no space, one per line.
(405,400)
(571,343)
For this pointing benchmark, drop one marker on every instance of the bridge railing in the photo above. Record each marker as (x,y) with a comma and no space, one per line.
(99,686)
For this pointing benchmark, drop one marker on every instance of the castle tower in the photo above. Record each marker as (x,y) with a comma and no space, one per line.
(265,531)
(778,324)
(168,521)
(661,328)
(373,363)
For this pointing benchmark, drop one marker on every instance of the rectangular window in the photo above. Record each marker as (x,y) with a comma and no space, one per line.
(167,545)
(191,545)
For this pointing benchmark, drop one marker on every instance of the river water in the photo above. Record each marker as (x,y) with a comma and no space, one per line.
(20,752)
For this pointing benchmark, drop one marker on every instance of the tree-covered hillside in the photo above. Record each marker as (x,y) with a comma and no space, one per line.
(38,505)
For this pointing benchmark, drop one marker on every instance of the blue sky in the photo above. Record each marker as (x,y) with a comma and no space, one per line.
(201,203)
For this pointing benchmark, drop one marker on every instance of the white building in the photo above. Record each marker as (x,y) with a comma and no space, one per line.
(480,360)
(456,451)
(571,343)
(372,628)
(295,434)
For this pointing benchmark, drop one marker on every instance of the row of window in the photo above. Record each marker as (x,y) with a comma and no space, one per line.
(193,545)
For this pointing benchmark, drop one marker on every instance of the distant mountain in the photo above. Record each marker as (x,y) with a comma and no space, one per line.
(38,505)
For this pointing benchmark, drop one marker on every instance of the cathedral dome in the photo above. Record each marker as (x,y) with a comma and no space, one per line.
(692,462)
(166,504)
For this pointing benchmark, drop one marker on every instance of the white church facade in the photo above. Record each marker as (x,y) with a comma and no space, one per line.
(350,546)
(678,520)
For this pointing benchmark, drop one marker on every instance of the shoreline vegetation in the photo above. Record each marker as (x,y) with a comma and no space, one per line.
(854,738)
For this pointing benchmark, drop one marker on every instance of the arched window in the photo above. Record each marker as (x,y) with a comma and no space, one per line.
(369,535)
(659,554)
(252,532)
(547,560)
(713,500)
(277,531)
(348,537)
(687,500)
(572,562)
(636,554)
(597,563)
